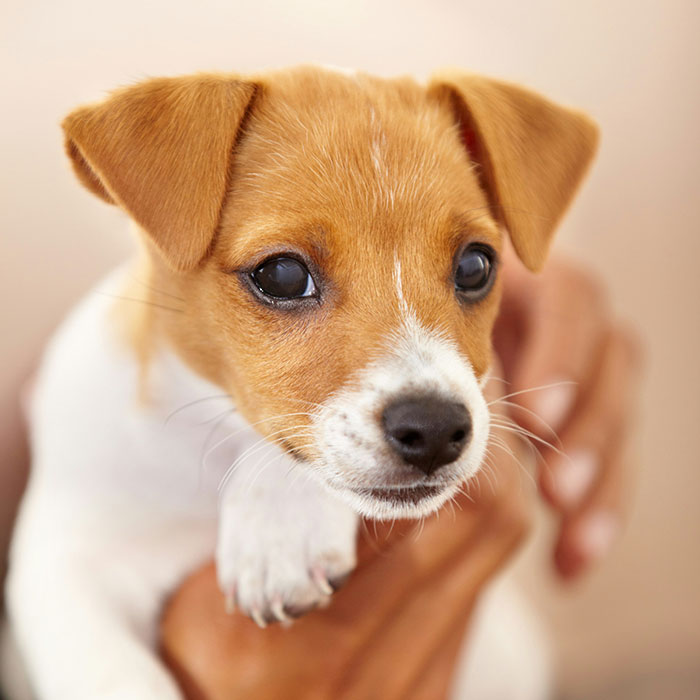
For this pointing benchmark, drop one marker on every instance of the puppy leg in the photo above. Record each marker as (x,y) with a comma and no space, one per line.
(85,590)
(284,541)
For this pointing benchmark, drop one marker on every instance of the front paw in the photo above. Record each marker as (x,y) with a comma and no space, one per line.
(278,558)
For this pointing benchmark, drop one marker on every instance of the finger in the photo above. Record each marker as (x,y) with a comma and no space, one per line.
(595,500)
(588,534)
(564,327)
(600,424)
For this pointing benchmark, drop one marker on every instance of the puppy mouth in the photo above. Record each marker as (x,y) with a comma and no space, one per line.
(404,496)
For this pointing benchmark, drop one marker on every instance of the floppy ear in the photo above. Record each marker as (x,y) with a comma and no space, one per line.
(161,150)
(532,154)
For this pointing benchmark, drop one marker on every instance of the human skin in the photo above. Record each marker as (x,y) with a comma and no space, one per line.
(571,384)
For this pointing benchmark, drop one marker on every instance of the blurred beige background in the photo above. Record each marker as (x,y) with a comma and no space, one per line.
(634,65)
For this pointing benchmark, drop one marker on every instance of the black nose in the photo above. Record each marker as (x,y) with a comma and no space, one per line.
(427,432)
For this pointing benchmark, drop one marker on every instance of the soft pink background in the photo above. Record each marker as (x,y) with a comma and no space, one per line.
(633,64)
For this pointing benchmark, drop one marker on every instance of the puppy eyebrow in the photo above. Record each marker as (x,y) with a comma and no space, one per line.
(261,242)
(320,247)
(477,217)
(474,223)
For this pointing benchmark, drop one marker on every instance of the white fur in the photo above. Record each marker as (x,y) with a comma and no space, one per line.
(282,537)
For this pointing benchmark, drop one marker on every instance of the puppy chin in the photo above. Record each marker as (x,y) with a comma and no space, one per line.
(396,503)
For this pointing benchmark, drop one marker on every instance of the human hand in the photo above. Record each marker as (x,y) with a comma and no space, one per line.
(405,608)
(557,332)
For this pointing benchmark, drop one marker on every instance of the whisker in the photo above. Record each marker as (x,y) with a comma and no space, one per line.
(496,441)
(247,426)
(153,289)
(512,404)
(218,417)
(195,402)
(463,490)
(519,430)
(265,466)
(210,434)
(531,389)
(488,472)
(391,527)
(263,442)
(522,468)
(142,301)
(494,378)
(253,449)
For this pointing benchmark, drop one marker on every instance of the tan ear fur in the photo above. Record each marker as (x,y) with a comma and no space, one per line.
(161,150)
(532,154)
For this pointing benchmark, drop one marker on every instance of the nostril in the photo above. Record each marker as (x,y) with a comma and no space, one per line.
(410,438)
(458,436)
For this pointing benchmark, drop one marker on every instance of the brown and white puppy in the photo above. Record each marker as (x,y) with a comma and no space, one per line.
(324,250)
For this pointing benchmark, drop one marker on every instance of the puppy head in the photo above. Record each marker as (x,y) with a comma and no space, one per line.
(335,243)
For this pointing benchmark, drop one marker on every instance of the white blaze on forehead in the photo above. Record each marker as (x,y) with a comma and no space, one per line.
(398,282)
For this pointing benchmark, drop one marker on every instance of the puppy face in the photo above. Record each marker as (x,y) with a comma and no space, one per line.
(346,295)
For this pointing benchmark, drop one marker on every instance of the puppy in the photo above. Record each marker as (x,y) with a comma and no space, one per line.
(302,340)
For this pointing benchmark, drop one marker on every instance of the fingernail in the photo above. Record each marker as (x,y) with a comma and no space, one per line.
(553,404)
(597,534)
(573,476)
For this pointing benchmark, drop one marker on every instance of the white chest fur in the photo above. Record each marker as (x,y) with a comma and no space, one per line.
(168,450)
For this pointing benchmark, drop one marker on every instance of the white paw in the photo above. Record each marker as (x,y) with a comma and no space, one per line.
(284,546)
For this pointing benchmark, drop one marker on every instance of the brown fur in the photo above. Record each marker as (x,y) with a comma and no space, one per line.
(533,155)
(161,151)
(350,173)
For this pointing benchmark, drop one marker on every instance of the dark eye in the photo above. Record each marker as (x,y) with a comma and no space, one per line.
(284,278)
(474,272)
